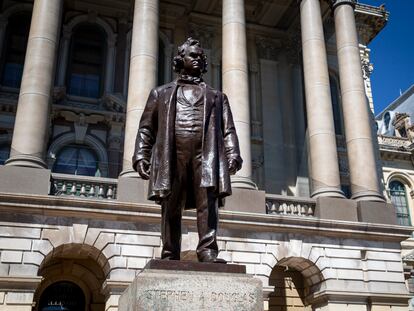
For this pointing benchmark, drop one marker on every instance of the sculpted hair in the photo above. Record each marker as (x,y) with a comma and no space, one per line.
(178,63)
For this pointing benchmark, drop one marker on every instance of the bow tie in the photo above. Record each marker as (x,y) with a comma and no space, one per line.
(190,79)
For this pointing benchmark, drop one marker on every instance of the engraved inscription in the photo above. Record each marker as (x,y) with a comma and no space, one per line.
(189,296)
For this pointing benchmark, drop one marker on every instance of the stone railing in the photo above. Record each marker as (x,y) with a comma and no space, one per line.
(394,142)
(292,206)
(83,186)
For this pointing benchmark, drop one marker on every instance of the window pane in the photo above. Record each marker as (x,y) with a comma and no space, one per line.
(399,200)
(87,62)
(76,160)
(16,44)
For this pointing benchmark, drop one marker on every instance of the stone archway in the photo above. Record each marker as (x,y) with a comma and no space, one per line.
(78,264)
(294,280)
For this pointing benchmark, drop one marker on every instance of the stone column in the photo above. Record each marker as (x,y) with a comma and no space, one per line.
(360,147)
(235,83)
(32,116)
(323,158)
(142,72)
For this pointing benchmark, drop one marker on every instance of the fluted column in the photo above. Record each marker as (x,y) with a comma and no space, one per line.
(360,147)
(235,83)
(323,157)
(142,72)
(32,116)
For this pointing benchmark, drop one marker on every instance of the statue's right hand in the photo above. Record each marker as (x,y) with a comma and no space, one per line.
(143,169)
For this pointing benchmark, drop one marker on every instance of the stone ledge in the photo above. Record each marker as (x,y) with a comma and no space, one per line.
(182,265)
(13,282)
(124,211)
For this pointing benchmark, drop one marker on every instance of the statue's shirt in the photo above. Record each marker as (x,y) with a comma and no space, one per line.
(189,115)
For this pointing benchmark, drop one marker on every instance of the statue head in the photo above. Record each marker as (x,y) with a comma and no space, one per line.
(190,59)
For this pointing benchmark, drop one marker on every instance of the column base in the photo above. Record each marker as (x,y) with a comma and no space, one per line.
(331,192)
(336,209)
(242,182)
(368,195)
(133,189)
(27,180)
(246,200)
(26,161)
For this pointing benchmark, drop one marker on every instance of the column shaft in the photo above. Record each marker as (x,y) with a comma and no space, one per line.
(32,117)
(360,147)
(323,158)
(235,83)
(142,72)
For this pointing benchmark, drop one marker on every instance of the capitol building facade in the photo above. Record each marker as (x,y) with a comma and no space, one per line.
(310,215)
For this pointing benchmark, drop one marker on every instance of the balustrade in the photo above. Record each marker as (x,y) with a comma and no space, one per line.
(291,206)
(83,186)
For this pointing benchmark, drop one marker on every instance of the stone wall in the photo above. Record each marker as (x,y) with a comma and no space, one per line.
(345,258)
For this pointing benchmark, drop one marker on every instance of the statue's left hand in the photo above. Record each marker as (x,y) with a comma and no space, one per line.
(233,166)
(143,169)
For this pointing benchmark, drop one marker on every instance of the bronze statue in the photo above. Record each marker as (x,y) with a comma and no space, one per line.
(187,147)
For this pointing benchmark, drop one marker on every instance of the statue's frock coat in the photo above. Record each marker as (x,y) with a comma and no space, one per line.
(155,140)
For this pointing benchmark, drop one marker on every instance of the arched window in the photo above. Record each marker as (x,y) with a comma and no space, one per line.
(4,153)
(77,160)
(336,105)
(399,199)
(62,296)
(86,64)
(15,50)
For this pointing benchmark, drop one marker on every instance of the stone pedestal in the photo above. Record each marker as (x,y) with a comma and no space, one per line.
(377,212)
(336,209)
(182,286)
(246,200)
(134,190)
(27,180)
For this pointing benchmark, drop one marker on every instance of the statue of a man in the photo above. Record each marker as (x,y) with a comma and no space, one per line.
(187,147)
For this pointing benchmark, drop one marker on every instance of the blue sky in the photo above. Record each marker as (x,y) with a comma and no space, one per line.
(393,53)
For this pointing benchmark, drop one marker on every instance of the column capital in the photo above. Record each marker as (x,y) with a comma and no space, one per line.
(336,3)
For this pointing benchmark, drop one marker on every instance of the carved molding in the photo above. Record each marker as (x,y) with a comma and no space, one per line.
(336,3)
(367,68)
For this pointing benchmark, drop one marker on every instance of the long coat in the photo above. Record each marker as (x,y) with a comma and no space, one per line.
(155,141)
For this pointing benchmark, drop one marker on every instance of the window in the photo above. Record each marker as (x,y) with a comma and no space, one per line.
(15,50)
(77,160)
(86,67)
(62,296)
(399,199)
(4,154)
(336,108)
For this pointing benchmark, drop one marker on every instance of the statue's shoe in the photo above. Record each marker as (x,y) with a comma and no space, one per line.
(210,257)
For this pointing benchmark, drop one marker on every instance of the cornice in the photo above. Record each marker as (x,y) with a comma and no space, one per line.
(53,206)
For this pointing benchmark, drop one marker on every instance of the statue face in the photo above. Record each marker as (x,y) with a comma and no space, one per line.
(193,61)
